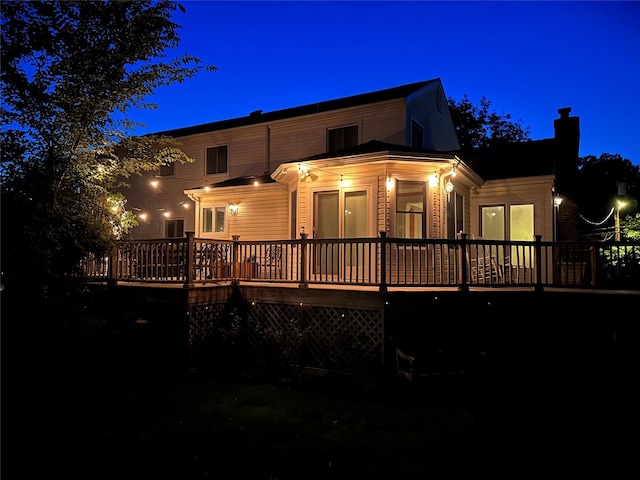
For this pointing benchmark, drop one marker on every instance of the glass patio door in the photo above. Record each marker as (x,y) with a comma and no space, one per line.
(326,224)
(340,214)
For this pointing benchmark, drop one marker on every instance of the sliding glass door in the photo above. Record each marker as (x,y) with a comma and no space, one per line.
(340,214)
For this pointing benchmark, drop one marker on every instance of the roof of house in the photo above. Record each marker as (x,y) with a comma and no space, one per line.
(249,180)
(259,117)
(520,159)
(374,146)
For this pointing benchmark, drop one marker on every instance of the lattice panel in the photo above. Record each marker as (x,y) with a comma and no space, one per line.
(335,339)
(272,330)
(203,322)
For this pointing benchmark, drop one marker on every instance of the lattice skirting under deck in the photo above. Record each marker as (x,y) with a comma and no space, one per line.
(334,339)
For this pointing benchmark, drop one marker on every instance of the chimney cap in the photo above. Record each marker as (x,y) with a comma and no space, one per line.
(564,112)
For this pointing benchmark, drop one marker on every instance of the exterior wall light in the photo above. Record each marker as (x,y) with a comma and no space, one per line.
(433,180)
(557,201)
(233,209)
(448,187)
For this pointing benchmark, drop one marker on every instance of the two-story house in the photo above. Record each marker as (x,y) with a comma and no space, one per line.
(385,161)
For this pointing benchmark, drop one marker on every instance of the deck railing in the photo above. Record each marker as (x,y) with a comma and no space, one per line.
(382,262)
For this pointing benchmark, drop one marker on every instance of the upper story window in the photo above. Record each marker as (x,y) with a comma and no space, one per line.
(343,137)
(167,170)
(417,135)
(216,160)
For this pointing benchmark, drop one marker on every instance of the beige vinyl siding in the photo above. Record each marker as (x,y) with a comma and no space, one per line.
(303,212)
(439,132)
(263,212)
(260,148)
(518,191)
(246,153)
(295,139)
(383,205)
(155,201)
(292,139)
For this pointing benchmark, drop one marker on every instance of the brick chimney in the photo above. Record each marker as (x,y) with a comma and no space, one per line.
(567,145)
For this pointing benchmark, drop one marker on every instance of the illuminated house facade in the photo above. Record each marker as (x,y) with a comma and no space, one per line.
(353,167)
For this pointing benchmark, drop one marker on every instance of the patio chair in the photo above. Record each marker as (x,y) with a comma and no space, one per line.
(483,266)
(270,265)
(213,260)
(417,360)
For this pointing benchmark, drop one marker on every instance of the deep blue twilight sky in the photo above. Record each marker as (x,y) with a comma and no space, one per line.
(527,58)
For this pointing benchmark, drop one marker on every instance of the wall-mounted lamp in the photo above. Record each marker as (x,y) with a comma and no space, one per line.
(233,209)
(448,187)
(433,180)
(557,201)
(141,213)
(389,183)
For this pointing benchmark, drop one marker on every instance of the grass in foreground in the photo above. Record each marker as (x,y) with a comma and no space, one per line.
(204,427)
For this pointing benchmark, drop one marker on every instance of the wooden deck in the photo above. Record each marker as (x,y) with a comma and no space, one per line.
(378,263)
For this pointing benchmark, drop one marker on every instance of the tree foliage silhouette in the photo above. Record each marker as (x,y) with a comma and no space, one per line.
(72,73)
(602,182)
(478,127)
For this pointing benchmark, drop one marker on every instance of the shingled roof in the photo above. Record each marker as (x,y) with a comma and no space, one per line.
(261,117)
(374,146)
(520,159)
(248,180)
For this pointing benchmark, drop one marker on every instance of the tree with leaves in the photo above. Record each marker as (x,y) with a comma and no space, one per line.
(603,182)
(71,74)
(478,127)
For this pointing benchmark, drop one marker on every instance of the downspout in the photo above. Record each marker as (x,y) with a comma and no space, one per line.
(197,215)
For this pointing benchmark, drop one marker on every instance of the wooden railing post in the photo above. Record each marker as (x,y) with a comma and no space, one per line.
(383,261)
(303,260)
(464,285)
(593,261)
(111,267)
(235,256)
(190,261)
(538,250)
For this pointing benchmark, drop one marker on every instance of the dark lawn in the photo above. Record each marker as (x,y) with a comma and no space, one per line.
(199,426)
(88,403)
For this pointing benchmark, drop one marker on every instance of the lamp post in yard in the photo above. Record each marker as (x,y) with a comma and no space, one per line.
(622,191)
(619,206)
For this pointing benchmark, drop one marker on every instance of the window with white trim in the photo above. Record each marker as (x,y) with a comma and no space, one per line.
(410,209)
(417,135)
(207,220)
(167,170)
(174,228)
(342,137)
(216,161)
(220,217)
